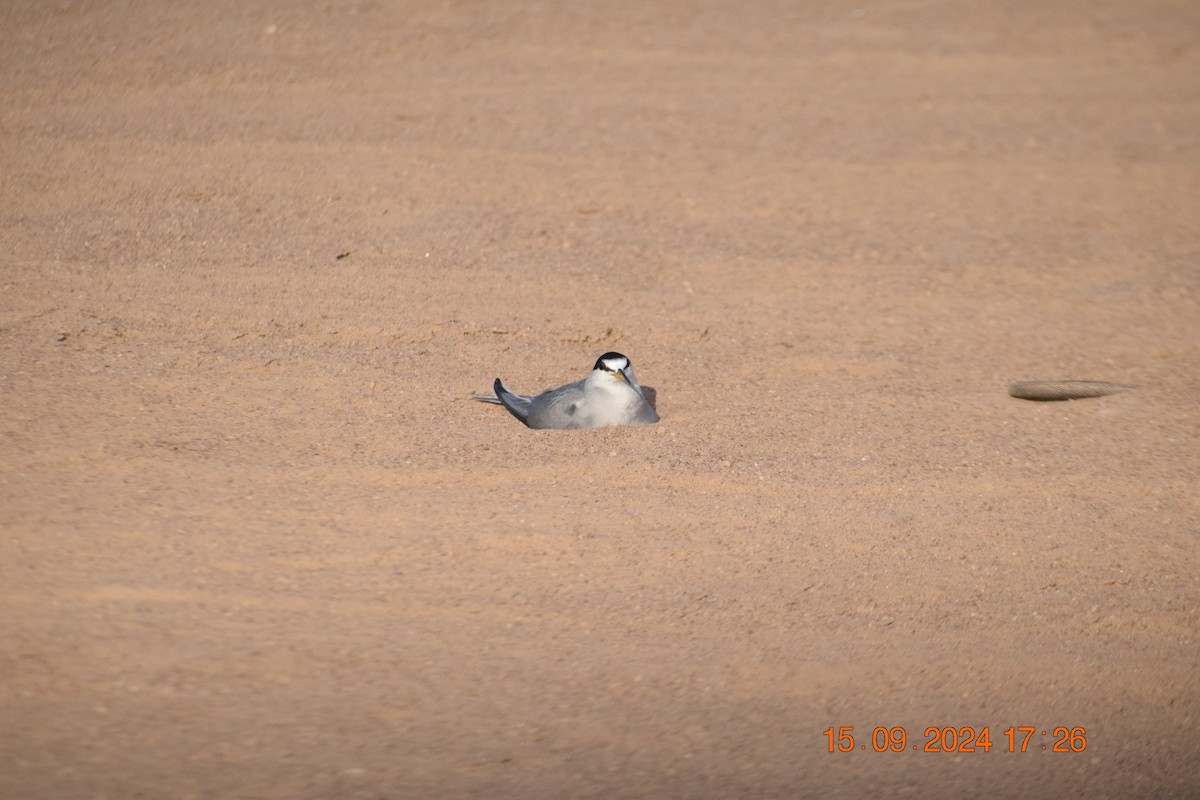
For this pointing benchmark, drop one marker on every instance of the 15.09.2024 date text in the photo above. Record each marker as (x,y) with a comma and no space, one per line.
(966,739)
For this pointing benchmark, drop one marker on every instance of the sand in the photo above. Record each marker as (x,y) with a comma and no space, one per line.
(256,541)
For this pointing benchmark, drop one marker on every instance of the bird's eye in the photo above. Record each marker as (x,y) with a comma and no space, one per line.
(602,362)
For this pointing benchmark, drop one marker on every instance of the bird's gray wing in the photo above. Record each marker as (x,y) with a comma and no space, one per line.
(517,405)
(651,395)
(486,398)
(558,408)
(647,392)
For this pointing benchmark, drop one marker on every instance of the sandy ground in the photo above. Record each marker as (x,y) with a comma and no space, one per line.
(256,542)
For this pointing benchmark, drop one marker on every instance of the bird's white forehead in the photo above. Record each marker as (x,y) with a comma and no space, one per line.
(616,363)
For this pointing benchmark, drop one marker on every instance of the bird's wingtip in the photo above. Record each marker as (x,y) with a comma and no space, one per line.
(516,405)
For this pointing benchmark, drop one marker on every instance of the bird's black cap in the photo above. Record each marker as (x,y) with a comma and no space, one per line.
(609,356)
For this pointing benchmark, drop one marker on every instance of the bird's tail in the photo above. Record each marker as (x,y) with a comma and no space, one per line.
(517,405)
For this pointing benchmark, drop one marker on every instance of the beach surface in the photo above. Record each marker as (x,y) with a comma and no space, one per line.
(256,541)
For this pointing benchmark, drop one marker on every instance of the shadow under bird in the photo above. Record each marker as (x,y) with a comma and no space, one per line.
(609,395)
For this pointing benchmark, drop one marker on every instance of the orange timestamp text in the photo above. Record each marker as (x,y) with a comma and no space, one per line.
(965,739)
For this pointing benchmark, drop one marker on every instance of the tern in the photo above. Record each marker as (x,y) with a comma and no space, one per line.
(609,395)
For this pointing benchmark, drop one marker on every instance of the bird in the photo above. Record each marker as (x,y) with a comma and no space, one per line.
(609,395)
